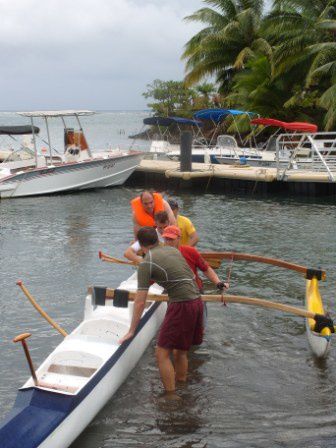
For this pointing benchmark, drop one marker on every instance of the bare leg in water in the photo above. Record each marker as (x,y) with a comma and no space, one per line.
(167,371)
(181,365)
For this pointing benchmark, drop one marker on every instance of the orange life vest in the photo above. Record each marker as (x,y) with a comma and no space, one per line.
(142,217)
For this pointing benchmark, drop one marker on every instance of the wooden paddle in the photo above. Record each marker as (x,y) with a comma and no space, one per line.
(321,320)
(22,338)
(109,259)
(39,309)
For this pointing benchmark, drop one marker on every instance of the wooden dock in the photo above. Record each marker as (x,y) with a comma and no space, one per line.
(231,178)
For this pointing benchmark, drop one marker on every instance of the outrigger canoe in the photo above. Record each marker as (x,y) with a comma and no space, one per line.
(82,374)
(85,370)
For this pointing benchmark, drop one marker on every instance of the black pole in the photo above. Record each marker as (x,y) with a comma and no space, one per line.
(186,145)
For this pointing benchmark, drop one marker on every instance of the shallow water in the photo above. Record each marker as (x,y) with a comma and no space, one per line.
(253,383)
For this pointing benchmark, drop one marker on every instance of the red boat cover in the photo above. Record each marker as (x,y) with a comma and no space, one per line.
(293,126)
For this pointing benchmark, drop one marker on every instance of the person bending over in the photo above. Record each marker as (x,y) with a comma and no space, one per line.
(133,252)
(182,326)
(172,237)
(144,208)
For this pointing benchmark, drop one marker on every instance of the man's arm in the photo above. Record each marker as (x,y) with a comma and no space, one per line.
(191,232)
(131,253)
(213,277)
(171,217)
(136,226)
(193,239)
(139,306)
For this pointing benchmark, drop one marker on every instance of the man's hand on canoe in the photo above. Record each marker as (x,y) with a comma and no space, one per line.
(127,336)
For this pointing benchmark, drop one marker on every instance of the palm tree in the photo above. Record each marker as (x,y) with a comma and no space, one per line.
(230,38)
(303,34)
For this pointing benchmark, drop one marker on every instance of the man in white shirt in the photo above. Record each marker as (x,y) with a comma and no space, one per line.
(161,222)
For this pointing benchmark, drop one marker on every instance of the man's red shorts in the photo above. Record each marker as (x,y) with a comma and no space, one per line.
(182,326)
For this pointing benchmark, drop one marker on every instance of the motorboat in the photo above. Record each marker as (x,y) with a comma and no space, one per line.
(267,154)
(31,171)
(83,372)
(204,150)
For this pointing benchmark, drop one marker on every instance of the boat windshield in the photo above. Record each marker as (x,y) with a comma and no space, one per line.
(24,153)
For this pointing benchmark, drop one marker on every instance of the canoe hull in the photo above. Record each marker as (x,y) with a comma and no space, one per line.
(84,413)
(47,418)
(319,342)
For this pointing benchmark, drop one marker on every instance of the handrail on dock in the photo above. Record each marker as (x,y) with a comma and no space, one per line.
(307,152)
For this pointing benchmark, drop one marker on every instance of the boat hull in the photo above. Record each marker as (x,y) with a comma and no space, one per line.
(93,173)
(50,419)
(319,342)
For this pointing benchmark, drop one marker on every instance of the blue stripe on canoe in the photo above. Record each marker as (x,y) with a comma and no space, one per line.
(37,413)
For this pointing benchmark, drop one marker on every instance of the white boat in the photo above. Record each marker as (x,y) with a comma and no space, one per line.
(82,374)
(77,168)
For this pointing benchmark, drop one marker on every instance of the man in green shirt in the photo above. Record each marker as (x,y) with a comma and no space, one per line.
(183,323)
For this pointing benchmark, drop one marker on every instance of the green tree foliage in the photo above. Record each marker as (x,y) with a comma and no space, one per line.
(174,98)
(169,97)
(282,63)
(230,38)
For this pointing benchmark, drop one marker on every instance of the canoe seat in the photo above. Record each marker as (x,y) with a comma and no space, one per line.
(72,370)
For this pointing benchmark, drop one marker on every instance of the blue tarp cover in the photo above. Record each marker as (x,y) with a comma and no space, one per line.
(217,115)
(167,121)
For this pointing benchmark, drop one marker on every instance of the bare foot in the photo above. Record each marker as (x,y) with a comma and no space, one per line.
(169,396)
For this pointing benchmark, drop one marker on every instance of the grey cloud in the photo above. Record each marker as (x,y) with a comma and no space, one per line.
(94,54)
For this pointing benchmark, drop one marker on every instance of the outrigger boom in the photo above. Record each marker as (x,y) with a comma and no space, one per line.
(215,259)
(320,340)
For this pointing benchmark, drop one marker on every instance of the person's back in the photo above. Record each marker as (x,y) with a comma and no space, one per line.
(166,266)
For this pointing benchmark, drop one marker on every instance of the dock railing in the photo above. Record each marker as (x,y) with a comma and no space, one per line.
(306,152)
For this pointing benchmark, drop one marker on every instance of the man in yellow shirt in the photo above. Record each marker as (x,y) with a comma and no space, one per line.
(189,235)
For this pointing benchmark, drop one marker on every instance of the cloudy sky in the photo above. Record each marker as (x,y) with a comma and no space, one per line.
(95,54)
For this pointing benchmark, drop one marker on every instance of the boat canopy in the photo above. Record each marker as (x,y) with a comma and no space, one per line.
(18,130)
(217,115)
(167,121)
(290,126)
(57,113)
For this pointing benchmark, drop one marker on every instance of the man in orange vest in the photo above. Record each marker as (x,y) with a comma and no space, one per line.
(144,208)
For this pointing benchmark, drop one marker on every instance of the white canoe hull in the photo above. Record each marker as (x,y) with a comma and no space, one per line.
(81,375)
(319,345)
(80,418)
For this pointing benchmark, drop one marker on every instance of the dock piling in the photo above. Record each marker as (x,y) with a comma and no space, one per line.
(185,148)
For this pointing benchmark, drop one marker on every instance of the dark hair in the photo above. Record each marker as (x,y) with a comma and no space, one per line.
(161,217)
(147,236)
(173,204)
